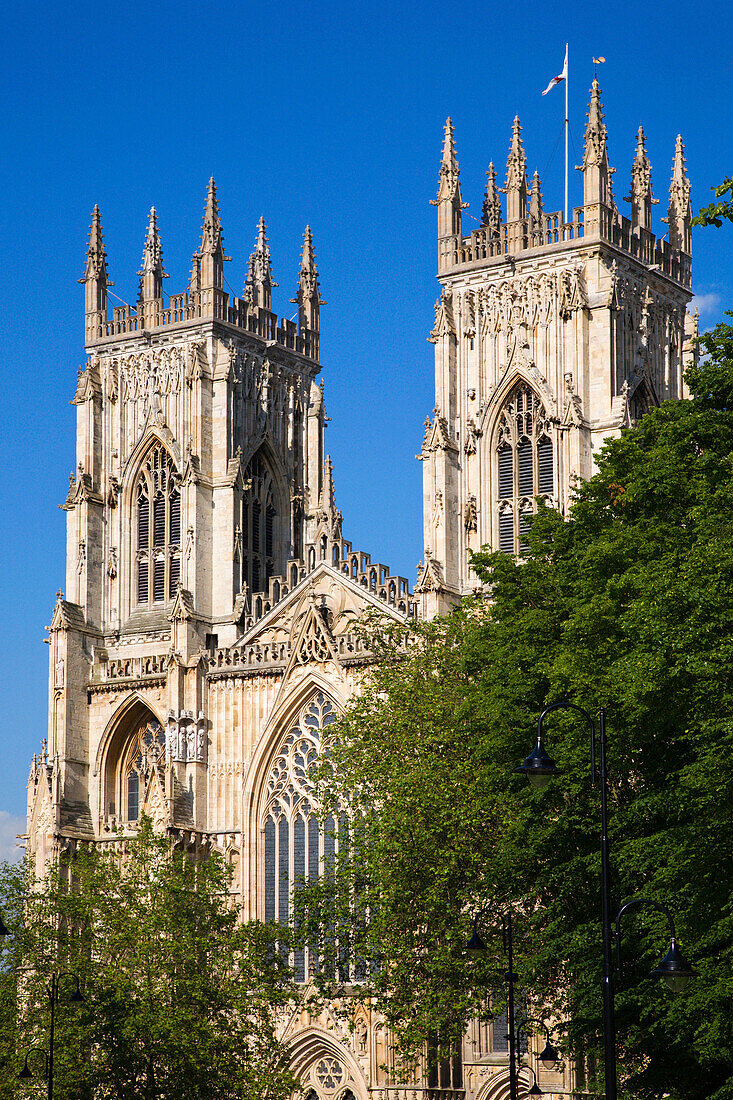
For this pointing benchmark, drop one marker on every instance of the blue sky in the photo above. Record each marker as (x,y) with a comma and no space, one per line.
(324,113)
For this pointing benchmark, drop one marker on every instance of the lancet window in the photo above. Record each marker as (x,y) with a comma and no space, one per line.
(158,521)
(259,527)
(145,751)
(298,846)
(524,465)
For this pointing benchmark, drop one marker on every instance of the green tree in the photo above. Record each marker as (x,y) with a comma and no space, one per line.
(715,212)
(180,998)
(628,602)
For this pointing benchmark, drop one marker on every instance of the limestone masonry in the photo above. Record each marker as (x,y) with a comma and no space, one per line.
(206,635)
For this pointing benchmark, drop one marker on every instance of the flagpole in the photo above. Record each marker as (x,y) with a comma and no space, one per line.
(567,81)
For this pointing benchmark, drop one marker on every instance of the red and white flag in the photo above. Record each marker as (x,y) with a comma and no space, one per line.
(561,76)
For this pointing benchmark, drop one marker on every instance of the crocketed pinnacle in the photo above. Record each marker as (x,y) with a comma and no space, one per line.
(152,252)
(449,145)
(449,175)
(516,164)
(308,278)
(679,215)
(594,151)
(535,203)
(641,169)
(516,177)
(96,265)
(260,265)
(492,203)
(308,256)
(328,498)
(679,168)
(212,240)
(308,295)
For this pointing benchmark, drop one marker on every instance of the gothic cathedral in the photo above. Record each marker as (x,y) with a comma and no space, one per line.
(206,635)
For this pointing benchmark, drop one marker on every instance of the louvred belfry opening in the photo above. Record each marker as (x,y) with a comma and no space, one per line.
(158,507)
(524,465)
(261,551)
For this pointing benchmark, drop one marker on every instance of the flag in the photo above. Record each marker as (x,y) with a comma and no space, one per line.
(561,76)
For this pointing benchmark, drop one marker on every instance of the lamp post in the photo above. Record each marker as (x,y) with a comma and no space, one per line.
(76,997)
(476,946)
(539,769)
(549,1055)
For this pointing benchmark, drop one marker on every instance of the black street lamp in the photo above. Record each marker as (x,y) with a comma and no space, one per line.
(76,997)
(26,1074)
(535,1090)
(549,1056)
(540,768)
(674,967)
(475,947)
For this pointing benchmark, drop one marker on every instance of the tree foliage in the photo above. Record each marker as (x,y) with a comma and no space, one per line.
(715,212)
(180,999)
(626,603)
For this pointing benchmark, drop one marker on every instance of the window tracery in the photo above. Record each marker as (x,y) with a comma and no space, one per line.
(259,518)
(158,513)
(524,465)
(298,846)
(145,751)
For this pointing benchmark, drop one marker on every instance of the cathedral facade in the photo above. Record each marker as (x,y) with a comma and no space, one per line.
(206,634)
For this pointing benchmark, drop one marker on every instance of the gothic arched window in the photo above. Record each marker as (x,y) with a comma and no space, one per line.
(158,521)
(145,751)
(298,847)
(524,465)
(260,558)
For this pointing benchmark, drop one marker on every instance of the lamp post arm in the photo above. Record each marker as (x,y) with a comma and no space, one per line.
(524,1020)
(635,903)
(580,710)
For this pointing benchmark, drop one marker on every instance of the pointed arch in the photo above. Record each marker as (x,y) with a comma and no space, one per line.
(285,710)
(152,506)
(263,519)
(311,1046)
(155,434)
(288,842)
(132,744)
(641,399)
(498,1087)
(522,440)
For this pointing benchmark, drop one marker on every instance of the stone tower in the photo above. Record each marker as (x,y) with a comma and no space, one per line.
(206,638)
(549,338)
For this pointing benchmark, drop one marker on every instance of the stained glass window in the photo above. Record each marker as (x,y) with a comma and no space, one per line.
(297,847)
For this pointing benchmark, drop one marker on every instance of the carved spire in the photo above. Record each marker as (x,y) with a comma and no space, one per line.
(448,199)
(640,195)
(259,276)
(208,269)
(516,176)
(95,277)
(308,296)
(535,205)
(596,172)
(328,498)
(679,215)
(212,240)
(492,203)
(152,273)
